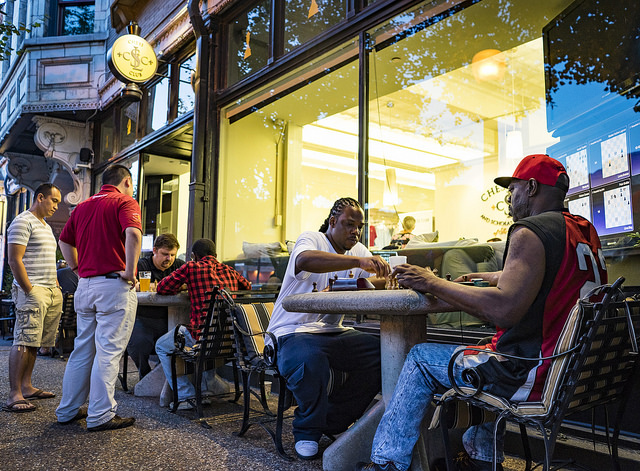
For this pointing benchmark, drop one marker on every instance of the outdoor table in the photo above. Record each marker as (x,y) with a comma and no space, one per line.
(178,312)
(178,305)
(403,323)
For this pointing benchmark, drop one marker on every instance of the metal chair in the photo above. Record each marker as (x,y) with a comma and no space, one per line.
(67,330)
(250,322)
(595,357)
(214,348)
(7,316)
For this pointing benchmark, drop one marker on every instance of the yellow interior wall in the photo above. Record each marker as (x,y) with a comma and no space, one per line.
(247,186)
(459,204)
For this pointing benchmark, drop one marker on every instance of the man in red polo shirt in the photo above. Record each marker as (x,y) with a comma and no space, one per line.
(101,241)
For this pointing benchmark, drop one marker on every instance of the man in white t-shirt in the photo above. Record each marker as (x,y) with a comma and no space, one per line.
(36,295)
(310,344)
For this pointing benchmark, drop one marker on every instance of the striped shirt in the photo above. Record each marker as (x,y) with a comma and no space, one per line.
(40,253)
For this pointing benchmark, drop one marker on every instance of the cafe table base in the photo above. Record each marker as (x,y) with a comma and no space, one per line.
(398,335)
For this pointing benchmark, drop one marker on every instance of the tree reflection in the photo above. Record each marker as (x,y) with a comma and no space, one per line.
(78,19)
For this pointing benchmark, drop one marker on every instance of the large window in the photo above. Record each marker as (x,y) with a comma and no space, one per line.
(452,106)
(279,174)
(455,98)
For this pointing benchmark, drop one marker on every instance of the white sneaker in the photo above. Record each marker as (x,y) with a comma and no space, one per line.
(307,449)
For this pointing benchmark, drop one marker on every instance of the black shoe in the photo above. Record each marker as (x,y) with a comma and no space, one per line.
(115,423)
(463,462)
(82,413)
(362,466)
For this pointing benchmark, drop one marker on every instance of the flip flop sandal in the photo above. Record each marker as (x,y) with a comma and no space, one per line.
(40,394)
(12,407)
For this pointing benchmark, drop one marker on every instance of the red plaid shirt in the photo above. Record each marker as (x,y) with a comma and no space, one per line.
(201,277)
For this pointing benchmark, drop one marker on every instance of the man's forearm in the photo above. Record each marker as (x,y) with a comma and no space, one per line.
(70,254)
(132,245)
(15,255)
(317,261)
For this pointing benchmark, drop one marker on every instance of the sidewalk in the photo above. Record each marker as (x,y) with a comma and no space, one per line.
(159,440)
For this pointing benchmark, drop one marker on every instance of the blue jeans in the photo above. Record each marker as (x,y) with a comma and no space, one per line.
(186,390)
(305,359)
(424,373)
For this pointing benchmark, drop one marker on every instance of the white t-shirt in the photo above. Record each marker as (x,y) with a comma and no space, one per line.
(40,254)
(284,322)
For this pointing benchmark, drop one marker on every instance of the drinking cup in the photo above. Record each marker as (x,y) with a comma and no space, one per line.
(145,280)
(396,260)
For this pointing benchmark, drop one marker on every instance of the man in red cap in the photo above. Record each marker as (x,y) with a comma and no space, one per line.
(551,259)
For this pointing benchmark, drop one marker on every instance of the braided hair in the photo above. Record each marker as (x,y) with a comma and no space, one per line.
(337,209)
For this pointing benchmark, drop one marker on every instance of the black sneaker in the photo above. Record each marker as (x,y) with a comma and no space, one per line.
(115,423)
(362,466)
(463,462)
(82,413)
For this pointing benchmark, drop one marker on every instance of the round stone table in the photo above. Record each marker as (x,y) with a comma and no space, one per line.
(403,323)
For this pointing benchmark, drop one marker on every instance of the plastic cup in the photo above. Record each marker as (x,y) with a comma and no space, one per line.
(145,280)
(396,260)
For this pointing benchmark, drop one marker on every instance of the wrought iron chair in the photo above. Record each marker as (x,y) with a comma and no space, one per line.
(7,316)
(67,330)
(214,348)
(595,357)
(250,322)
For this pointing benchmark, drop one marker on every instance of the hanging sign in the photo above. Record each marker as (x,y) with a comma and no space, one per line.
(132,59)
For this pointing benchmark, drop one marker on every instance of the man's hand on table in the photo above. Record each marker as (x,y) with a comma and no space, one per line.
(414,277)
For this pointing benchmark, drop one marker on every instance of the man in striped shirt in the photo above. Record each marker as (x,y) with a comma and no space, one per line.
(36,295)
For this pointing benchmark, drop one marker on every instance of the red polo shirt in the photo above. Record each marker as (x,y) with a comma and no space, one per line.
(96,228)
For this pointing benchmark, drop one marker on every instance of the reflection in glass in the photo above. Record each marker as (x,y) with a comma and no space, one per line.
(306,19)
(106,139)
(285,163)
(158,97)
(248,42)
(452,107)
(77,19)
(186,95)
(128,124)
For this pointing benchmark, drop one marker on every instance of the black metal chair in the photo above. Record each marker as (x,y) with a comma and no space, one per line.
(214,348)
(67,329)
(7,316)
(594,359)
(250,322)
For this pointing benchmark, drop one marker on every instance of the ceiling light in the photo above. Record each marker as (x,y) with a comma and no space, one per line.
(488,65)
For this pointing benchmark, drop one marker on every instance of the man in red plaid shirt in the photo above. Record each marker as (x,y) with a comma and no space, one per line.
(200,275)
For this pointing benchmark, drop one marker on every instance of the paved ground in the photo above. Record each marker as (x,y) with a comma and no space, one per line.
(159,440)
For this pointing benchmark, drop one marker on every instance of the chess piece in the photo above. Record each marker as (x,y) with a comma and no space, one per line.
(351,275)
(315,287)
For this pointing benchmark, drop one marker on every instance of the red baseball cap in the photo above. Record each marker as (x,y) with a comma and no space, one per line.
(541,167)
